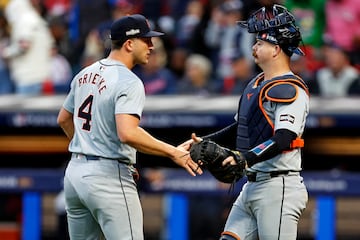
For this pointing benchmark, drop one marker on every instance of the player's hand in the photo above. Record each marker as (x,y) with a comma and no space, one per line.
(187,144)
(183,159)
(196,138)
(229,160)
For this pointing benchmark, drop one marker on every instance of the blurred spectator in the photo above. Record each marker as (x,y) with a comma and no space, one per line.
(166,24)
(29,51)
(57,7)
(242,73)
(6,84)
(196,43)
(342,25)
(59,29)
(39,7)
(98,43)
(213,33)
(310,17)
(298,67)
(249,6)
(225,37)
(197,79)
(84,16)
(338,78)
(157,78)
(153,9)
(188,22)
(61,73)
(177,61)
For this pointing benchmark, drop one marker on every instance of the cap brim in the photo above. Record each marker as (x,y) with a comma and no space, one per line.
(153,34)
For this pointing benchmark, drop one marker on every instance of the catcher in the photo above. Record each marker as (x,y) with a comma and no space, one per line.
(266,137)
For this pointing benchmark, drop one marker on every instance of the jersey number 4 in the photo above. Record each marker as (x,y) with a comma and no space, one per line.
(85,112)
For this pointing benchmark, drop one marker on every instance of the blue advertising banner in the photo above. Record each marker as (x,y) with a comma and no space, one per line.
(318,183)
(25,180)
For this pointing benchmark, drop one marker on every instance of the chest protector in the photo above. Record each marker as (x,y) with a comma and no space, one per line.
(254,124)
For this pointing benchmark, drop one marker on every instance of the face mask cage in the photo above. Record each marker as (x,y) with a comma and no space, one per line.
(263,19)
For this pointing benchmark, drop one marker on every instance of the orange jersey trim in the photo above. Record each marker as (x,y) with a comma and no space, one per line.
(298,142)
(231,234)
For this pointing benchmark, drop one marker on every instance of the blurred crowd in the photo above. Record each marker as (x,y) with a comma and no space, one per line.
(43,43)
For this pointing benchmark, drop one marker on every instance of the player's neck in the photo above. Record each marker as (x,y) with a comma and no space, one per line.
(275,70)
(117,55)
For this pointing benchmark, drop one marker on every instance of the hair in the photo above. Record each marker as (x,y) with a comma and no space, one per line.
(200,61)
(117,44)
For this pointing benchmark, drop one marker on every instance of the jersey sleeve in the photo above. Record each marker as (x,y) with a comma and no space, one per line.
(131,100)
(292,116)
(69,100)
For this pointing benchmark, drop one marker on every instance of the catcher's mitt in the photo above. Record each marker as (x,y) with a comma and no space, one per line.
(209,155)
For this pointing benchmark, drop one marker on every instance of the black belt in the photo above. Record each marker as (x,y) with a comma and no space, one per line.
(261,176)
(97,158)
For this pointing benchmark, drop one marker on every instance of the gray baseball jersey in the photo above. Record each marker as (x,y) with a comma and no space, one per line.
(98,93)
(280,114)
(100,192)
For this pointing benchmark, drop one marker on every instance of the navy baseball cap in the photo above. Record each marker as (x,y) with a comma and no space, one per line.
(132,26)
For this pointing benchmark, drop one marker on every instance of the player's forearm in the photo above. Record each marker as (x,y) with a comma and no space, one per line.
(68,129)
(280,142)
(142,141)
(66,123)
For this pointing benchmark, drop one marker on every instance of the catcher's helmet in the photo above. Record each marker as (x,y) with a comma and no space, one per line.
(276,26)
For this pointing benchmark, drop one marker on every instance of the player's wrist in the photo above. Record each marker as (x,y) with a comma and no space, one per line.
(239,158)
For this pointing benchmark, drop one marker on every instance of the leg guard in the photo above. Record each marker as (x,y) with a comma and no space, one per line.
(229,236)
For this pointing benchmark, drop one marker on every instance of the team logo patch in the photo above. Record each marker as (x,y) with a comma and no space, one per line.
(287,118)
(249,95)
(268,37)
(132,32)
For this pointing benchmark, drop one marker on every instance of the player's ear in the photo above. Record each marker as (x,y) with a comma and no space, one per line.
(276,50)
(128,44)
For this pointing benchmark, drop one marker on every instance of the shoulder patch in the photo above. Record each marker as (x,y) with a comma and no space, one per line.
(282,92)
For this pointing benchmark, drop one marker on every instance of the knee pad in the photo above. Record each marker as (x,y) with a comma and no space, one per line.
(229,236)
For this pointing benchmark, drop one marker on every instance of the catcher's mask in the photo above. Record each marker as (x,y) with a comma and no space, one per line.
(276,26)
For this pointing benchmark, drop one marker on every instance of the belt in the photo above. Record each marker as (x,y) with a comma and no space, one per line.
(261,176)
(97,158)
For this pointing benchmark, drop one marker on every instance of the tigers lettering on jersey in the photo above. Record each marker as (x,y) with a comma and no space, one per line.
(93,78)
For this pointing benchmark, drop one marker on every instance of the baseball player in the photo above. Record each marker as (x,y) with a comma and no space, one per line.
(269,125)
(101,116)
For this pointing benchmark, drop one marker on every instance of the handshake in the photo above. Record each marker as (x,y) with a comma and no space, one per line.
(210,156)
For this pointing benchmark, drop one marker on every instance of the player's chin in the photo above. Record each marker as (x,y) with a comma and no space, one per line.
(145,60)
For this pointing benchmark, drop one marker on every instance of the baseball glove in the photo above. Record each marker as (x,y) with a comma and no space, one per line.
(209,155)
